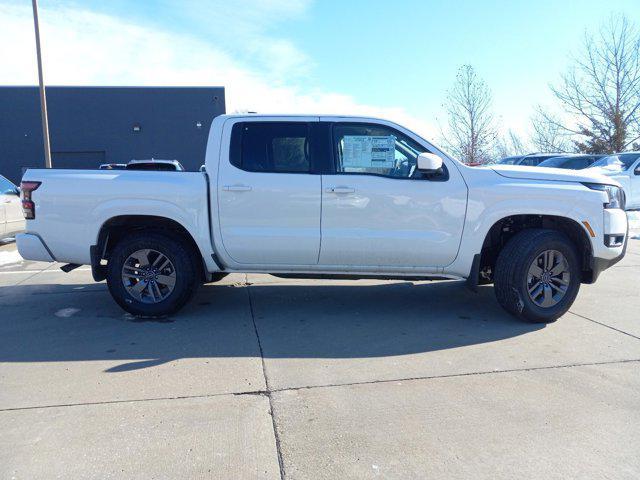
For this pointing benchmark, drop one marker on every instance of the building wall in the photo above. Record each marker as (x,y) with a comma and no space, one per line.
(93,125)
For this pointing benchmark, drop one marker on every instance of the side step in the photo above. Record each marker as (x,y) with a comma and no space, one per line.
(69,266)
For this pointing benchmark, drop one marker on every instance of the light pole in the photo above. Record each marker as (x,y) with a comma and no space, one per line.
(43,95)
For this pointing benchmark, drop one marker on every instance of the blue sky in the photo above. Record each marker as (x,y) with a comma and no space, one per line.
(393,59)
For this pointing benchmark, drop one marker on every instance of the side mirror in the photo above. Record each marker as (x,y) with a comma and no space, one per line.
(429,162)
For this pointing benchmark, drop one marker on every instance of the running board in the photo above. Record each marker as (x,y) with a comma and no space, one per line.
(69,266)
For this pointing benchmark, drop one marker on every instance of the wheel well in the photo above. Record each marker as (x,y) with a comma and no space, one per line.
(502,231)
(114,229)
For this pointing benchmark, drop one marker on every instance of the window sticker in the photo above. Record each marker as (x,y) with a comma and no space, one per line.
(364,151)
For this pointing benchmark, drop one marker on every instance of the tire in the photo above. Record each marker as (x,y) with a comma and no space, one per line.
(182,268)
(514,277)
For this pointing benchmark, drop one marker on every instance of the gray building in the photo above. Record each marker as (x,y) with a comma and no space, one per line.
(93,125)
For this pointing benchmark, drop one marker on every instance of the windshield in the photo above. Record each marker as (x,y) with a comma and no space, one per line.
(620,161)
(554,162)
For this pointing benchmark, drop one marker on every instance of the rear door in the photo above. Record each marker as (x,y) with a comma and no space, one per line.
(379,210)
(268,194)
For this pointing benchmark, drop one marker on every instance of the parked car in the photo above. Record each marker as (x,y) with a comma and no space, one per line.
(625,169)
(112,166)
(328,196)
(571,162)
(11,218)
(155,164)
(150,164)
(529,160)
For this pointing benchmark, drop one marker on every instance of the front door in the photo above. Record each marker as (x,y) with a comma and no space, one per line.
(268,198)
(379,210)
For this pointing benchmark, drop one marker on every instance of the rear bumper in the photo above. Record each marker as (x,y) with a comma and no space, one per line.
(32,247)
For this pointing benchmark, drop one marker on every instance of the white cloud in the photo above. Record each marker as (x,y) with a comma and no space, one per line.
(82,47)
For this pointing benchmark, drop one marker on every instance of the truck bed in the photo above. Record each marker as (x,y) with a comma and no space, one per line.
(72,205)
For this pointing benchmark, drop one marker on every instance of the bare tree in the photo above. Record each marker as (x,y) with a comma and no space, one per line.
(601,91)
(471,132)
(549,135)
(509,145)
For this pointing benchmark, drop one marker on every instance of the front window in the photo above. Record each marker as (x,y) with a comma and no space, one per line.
(375,149)
(556,162)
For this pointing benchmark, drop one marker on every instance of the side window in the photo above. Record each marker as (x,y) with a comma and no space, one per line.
(6,186)
(531,161)
(375,149)
(279,147)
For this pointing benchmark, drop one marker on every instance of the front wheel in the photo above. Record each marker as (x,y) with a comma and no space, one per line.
(151,274)
(537,275)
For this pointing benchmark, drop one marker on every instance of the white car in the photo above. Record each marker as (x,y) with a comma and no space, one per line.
(625,169)
(11,218)
(328,196)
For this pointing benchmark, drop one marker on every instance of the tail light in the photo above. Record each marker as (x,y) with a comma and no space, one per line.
(28,207)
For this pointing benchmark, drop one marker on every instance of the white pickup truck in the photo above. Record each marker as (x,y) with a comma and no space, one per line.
(327,196)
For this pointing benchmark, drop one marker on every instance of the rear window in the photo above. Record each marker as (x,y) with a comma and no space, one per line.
(278,147)
(554,162)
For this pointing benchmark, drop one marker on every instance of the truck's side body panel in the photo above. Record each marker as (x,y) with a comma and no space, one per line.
(404,223)
(266,218)
(392,222)
(493,197)
(73,205)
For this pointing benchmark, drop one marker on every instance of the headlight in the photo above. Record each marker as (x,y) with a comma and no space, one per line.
(616,194)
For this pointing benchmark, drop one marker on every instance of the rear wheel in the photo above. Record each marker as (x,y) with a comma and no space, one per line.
(152,274)
(537,275)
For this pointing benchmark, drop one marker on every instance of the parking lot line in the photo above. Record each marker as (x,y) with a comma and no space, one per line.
(604,324)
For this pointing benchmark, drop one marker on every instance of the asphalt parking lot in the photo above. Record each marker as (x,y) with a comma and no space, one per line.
(267,378)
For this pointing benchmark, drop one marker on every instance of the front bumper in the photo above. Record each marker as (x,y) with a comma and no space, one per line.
(598,264)
(32,247)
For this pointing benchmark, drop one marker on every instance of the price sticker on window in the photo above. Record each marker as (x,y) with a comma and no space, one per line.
(364,151)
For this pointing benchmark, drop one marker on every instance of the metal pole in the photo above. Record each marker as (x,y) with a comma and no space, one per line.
(43,95)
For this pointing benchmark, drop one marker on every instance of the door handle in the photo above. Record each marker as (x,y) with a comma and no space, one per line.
(340,190)
(236,188)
